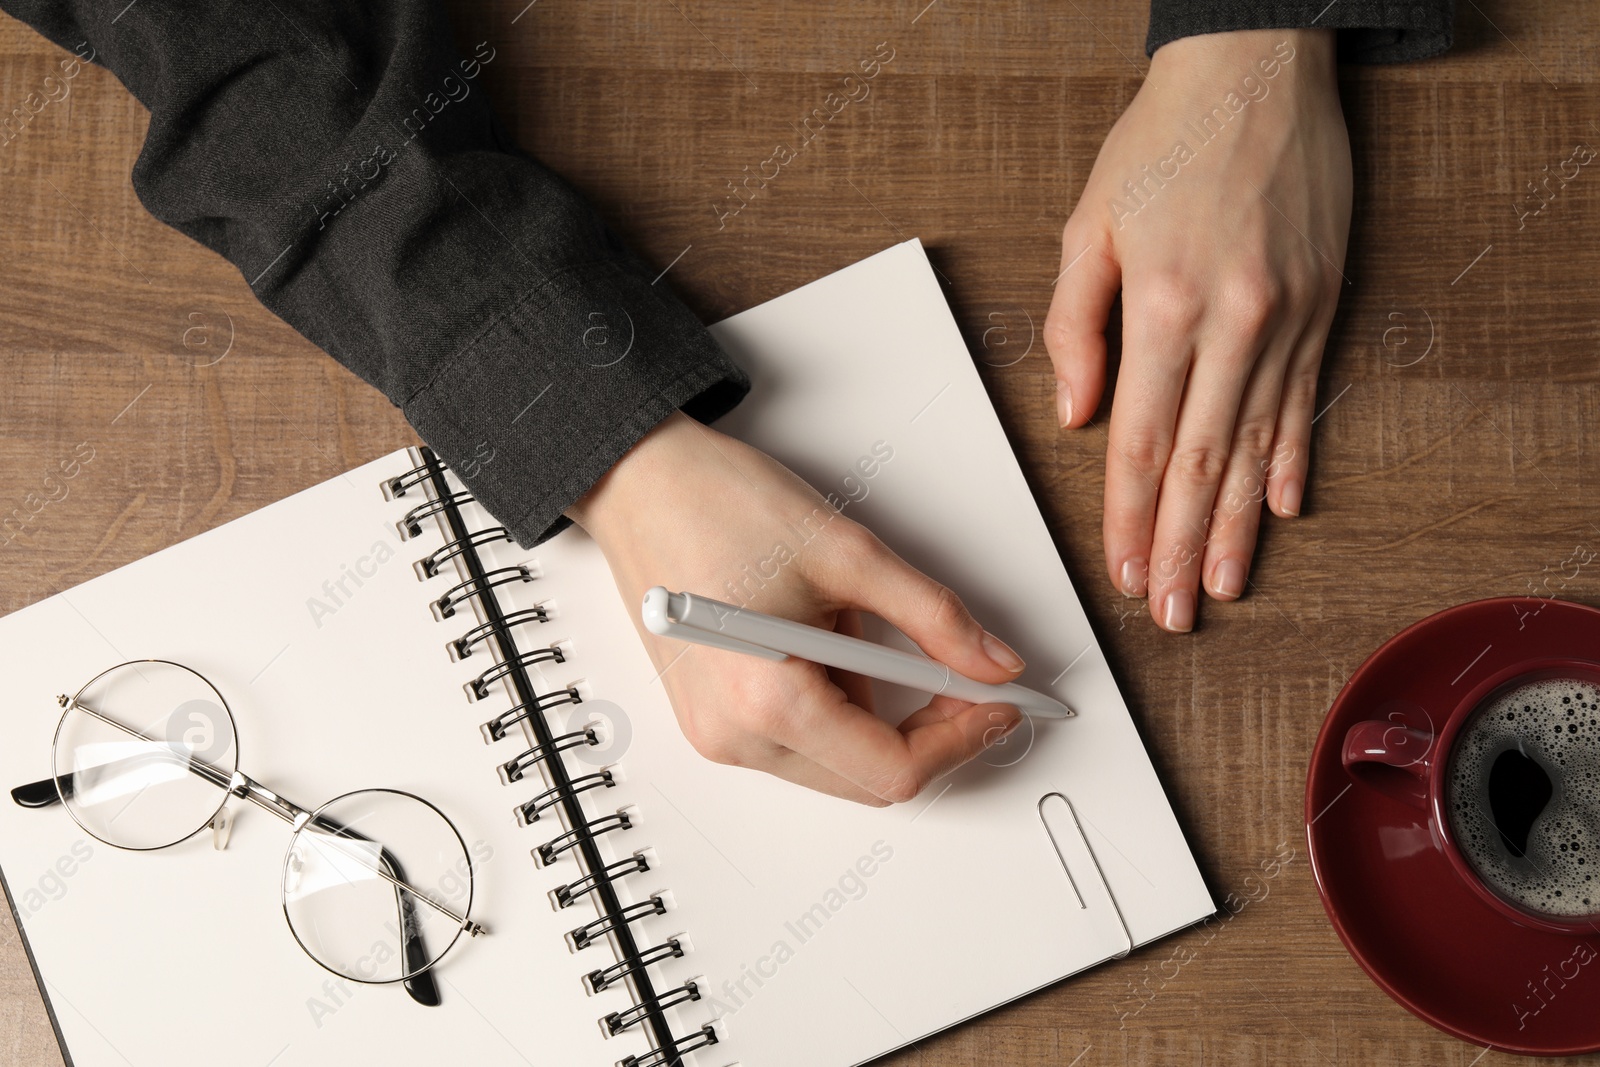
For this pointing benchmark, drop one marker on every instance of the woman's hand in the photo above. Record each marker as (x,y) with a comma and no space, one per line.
(1220,206)
(695,510)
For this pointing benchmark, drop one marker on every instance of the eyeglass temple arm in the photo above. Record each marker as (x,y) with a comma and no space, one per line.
(420,985)
(40,794)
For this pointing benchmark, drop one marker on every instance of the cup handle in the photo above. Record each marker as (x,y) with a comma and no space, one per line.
(1392,758)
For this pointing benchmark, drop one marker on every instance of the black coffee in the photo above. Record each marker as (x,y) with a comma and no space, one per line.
(1523,796)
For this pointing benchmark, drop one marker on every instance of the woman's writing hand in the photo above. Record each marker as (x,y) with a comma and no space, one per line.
(696,510)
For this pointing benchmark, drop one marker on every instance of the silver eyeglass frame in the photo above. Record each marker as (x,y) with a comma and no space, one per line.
(235,783)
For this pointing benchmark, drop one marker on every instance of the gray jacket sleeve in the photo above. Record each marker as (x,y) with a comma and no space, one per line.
(1370,31)
(343,156)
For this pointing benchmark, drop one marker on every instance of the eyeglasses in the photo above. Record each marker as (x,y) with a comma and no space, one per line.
(146,756)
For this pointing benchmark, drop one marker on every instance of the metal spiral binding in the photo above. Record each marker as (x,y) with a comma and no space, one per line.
(477,586)
(566,895)
(443,504)
(582,834)
(396,487)
(529,812)
(430,566)
(670,1054)
(619,1021)
(495,729)
(513,769)
(481,684)
(606,977)
(462,646)
(590,932)
(615,921)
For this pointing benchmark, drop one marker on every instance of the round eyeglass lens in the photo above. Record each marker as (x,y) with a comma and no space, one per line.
(377,885)
(144,754)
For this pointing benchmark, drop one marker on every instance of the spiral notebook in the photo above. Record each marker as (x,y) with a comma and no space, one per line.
(646,907)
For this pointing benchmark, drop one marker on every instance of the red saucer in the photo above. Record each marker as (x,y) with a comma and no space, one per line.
(1421,934)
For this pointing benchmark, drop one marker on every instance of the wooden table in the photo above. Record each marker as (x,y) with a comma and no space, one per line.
(1436,480)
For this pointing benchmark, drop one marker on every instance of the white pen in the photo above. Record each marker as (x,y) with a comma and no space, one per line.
(710,622)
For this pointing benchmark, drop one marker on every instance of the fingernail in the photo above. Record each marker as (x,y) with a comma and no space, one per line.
(1228,579)
(1001,653)
(1178,614)
(1063,402)
(1134,573)
(1014,724)
(1289,497)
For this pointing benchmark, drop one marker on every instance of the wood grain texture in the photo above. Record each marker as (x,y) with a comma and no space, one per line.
(1458,476)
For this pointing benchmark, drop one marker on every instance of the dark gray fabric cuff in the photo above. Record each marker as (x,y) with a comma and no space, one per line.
(1369,32)
(596,342)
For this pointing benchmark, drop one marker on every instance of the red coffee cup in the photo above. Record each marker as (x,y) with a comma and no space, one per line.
(1407,757)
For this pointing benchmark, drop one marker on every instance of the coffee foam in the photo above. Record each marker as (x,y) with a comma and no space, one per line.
(1556,723)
